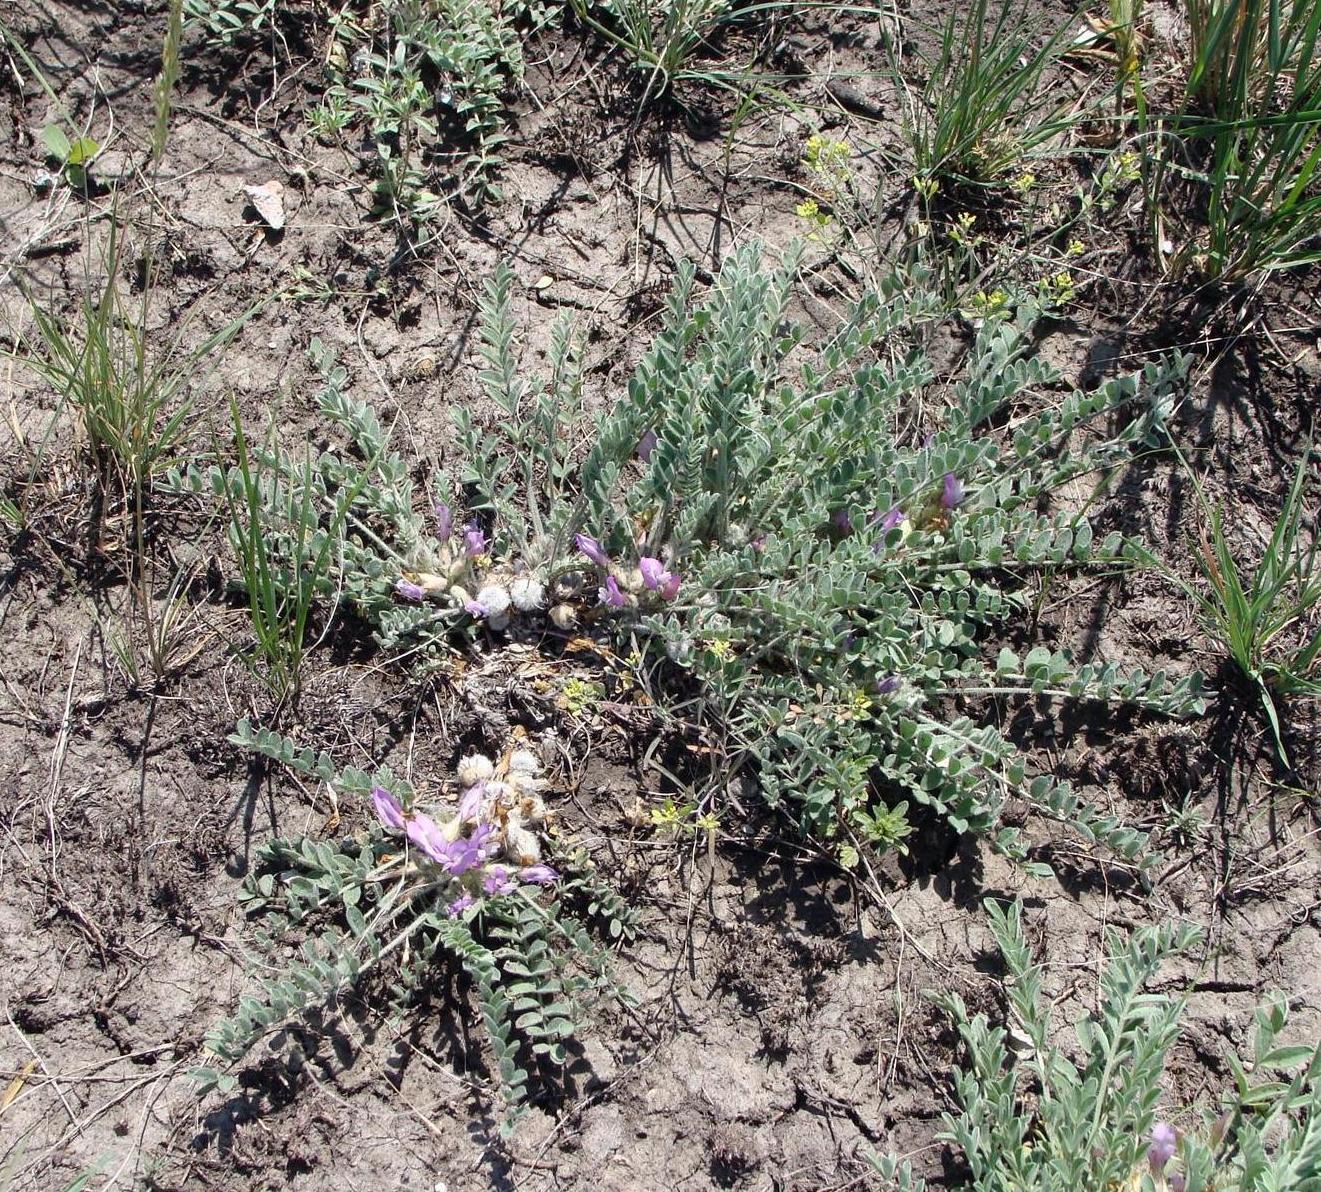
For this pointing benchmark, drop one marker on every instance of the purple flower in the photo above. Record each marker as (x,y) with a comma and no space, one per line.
(459,905)
(646,445)
(592,549)
(476,609)
(444,521)
(1164,1141)
(951,495)
(472,852)
(841,521)
(1178,1182)
(759,542)
(497,880)
(470,805)
(388,808)
(409,590)
(611,595)
(657,578)
(425,835)
(653,572)
(887,523)
(887,686)
(475,541)
(539,875)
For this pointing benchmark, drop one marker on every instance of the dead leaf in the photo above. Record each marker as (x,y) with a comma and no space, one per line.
(268,199)
(16,1085)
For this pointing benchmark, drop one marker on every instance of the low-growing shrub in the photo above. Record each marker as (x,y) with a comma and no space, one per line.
(1036,1116)
(429,885)
(776,526)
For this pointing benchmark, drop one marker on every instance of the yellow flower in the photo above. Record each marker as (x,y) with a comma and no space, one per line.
(859,705)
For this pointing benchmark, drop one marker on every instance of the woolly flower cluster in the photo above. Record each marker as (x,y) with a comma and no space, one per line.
(488,842)
(459,575)
(623,588)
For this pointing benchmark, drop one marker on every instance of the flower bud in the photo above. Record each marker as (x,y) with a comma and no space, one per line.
(495,598)
(521,845)
(528,593)
(475,768)
(524,761)
(590,547)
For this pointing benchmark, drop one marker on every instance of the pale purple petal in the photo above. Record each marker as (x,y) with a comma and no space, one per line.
(646,445)
(425,835)
(891,520)
(670,588)
(444,521)
(887,686)
(409,590)
(1164,1142)
(470,806)
(951,495)
(486,839)
(464,855)
(475,541)
(388,808)
(592,549)
(611,595)
(472,852)
(653,572)
(459,905)
(539,875)
(476,609)
(497,880)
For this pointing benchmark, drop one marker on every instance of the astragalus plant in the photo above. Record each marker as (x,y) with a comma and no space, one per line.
(814,538)
(847,541)
(1036,1115)
(434,884)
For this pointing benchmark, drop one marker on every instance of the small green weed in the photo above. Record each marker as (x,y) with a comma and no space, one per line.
(1246,145)
(1264,618)
(286,560)
(230,21)
(1095,1120)
(661,37)
(982,110)
(74,157)
(424,80)
(133,403)
(156,641)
